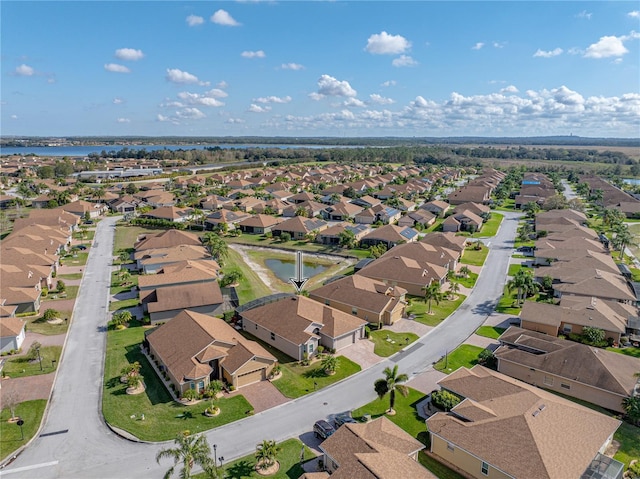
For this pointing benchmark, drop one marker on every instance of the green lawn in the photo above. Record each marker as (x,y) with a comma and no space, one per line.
(388,342)
(508,303)
(440,311)
(125,303)
(70,292)
(71,276)
(490,228)
(468,282)
(406,413)
(289,459)
(18,367)
(76,259)
(464,355)
(297,380)
(630,351)
(164,418)
(514,268)
(251,286)
(39,324)
(116,284)
(473,257)
(440,470)
(492,332)
(260,240)
(507,205)
(127,235)
(10,437)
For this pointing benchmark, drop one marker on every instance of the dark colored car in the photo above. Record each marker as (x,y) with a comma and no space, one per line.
(81,246)
(341,419)
(323,429)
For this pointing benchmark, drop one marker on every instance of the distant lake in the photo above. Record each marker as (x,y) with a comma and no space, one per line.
(631,181)
(82,151)
(284,269)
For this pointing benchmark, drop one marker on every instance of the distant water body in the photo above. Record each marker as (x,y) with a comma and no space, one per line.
(82,151)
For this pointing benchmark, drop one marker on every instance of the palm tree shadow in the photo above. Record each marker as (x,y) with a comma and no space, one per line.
(240,470)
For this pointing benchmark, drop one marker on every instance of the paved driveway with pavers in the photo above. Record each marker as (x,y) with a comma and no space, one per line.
(361,352)
(409,326)
(262,395)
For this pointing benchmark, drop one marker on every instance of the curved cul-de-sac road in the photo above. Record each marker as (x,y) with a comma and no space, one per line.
(74,441)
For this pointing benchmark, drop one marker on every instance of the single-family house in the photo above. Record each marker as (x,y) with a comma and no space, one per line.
(390,235)
(341,211)
(463,221)
(331,235)
(297,325)
(195,349)
(378,449)
(259,224)
(437,207)
(446,240)
(505,428)
(163,303)
(366,298)
(591,374)
(421,217)
(12,334)
(151,261)
(225,217)
(299,227)
(169,213)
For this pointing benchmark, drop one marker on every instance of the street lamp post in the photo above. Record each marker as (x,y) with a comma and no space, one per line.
(221,459)
(39,358)
(215,454)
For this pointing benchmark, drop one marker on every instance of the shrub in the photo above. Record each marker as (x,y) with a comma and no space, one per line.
(50,314)
(593,335)
(190,395)
(32,354)
(60,286)
(444,399)
(487,358)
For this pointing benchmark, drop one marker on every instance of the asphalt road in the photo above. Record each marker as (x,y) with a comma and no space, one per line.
(76,443)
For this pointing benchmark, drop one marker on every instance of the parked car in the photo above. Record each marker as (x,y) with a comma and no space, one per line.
(81,247)
(322,429)
(341,419)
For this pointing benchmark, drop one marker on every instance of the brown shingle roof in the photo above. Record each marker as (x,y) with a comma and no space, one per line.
(167,239)
(185,296)
(531,430)
(10,327)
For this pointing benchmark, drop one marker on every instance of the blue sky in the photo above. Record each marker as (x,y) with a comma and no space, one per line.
(283,68)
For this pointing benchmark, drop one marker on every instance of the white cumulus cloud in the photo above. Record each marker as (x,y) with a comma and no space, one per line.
(25,71)
(404,61)
(194,20)
(118,101)
(634,14)
(250,54)
(353,103)
(607,46)
(114,67)
(584,14)
(222,17)
(385,44)
(190,114)
(14,117)
(209,98)
(330,86)
(273,99)
(292,66)
(258,109)
(478,46)
(380,100)
(123,120)
(509,89)
(174,75)
(388,83)
(548,54)
(130,54)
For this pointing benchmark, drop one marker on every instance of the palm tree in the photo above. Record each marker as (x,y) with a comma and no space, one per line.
(189,450)
(622,239)
(453,289)
(266,453)
(432,293)
(217,247)
(631,405)
(464,271)
(329,363)
(391,383)
(523,282)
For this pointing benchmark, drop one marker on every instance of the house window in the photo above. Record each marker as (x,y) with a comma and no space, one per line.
(548,380)
(327,302)
(566,328)
(354,311)
(192,385)
(485,468)
(565,386)
(450,447)
(273,336)
(201,385)
(310,348)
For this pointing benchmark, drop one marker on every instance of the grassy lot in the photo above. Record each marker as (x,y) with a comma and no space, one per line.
(514,268)
(289,459)
(124,304)
(507,205)
(388,343)
(507,303)
(406,413)
(72,276)
(297,380)
(464,355)
(630,351)
(10,438)
(19,367)
(39,325)
(436,226)
(440,311)
(468,282)
(490,228)
(70,292)
(127,235)
(77,259)
(251,286)
(492,332)
(116,284)
(164,418)
(473,257)
(440,470)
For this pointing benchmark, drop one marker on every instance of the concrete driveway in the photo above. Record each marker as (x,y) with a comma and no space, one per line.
(262,396)
(409,326)
(361,352)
